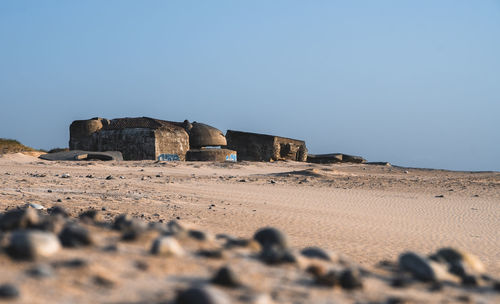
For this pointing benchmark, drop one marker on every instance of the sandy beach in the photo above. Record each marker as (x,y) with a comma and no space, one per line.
(368,213)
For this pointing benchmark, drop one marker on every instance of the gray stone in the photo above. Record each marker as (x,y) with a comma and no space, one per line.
(167,246)
(225,276)
(36,206)
(271,237)
(74,235)
(19,219)
(91,215)
(351,279)
(198,235)
(420,267)
(31,244)
(58,210)
(460,263)
(202,295)
(9,291)
(315,252)
(41,271)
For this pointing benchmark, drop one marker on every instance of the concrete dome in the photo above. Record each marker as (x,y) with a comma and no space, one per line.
(202,135)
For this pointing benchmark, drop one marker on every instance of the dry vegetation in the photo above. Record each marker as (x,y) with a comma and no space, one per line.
(13,146)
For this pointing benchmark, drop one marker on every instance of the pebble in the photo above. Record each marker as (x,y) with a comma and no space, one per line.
(58,210)
(316,252)
(213,254)
(420,267)
(460,263)
(74,235)
(130,227)
(19,219)
(351,279)
(167,246)
(91,215)
(8,291)
(32,244)
(202,295)
(198,235)
(273,246)
(225,276)
(41,271)
(271,237)
(329,279)
(36,206)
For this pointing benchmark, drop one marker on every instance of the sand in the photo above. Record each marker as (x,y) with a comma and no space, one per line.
(368,213)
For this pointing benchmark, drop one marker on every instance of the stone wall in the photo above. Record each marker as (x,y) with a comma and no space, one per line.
(134,143)
(262,147)
(171,141)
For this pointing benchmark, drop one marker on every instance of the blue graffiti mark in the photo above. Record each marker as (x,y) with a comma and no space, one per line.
(168,157)
(231,157)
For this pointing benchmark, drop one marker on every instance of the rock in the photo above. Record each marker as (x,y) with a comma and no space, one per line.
(74,235)
(469,280)
(420,267)
(65,175)
(175,228)
(202,295)
(58,210)
(9,291)
(273,246)
(328,279)
(315,252)
(351,279)
(237,242)
(41,271)
(109,177)
(131,227)
(225,276)
(104,280)
(271,237)
(51,223)
(198,235)
(459,262)
(36,206)
(32,244)
(276,255)
(19,219)
(91,215)
(167,246)
(211,253)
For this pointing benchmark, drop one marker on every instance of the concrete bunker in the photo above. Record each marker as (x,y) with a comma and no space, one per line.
(145,138)
(263,147)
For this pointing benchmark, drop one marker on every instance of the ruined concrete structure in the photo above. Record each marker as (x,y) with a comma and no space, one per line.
(143,137)
(334,158)
(137,138)
(262,147)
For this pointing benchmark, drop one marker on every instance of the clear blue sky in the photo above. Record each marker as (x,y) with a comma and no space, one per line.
(415,83)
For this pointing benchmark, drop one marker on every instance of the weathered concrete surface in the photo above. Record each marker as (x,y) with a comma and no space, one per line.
(219,155)
(202,135)
(83,155)
(324,158)
(334,158)
(263,147)
(137,138)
